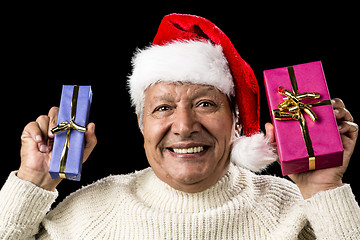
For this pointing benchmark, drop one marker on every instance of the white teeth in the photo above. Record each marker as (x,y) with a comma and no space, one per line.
(188,150)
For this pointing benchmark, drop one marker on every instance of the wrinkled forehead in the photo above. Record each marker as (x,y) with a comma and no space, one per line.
(180,90)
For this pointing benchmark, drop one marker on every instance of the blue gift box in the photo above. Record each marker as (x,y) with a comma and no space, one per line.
(69,141)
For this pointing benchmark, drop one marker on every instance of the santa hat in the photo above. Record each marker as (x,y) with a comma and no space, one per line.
(192,49)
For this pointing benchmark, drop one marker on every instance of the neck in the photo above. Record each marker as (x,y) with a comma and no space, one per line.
(159,195)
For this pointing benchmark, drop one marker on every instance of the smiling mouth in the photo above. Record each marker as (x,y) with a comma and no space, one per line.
(189,150)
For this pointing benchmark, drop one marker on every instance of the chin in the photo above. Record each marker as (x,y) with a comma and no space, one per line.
(190,173)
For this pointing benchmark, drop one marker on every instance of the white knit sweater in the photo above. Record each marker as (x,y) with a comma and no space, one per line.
(241,205)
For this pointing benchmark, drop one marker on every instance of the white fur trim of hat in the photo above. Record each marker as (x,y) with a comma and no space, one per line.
(197,62)
(254,153)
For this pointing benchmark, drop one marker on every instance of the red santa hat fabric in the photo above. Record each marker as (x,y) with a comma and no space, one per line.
(158,64)
(192,49)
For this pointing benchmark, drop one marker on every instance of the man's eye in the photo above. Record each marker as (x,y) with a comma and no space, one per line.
(161,108)
(205,104)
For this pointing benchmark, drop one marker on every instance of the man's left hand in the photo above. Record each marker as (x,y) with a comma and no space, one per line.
(312,182)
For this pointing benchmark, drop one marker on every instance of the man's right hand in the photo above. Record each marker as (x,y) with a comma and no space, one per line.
(36,149)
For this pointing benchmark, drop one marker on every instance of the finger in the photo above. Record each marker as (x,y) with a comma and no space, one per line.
(337,103)
(90,140)
(32,135)
(43,123)
(53,116)
(349,129)
(343,114)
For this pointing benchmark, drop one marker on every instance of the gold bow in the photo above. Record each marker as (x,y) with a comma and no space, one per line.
(66,126)
(293,108)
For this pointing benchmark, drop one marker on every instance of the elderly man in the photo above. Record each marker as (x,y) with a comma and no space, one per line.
(193,95)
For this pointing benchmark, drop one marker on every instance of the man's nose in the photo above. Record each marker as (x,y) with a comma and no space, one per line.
(185,123)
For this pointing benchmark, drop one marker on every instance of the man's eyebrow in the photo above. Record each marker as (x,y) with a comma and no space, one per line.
(162,97)
(205,91)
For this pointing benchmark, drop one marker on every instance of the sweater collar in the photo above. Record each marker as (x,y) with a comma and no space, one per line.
(156,194)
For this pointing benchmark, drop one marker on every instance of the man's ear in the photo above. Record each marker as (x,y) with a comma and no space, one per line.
(139,124)
(238,129)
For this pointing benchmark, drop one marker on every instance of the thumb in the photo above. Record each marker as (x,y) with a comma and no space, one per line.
(269,129)
(90,140)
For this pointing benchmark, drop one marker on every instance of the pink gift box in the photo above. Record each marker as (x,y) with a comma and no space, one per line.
(324,135)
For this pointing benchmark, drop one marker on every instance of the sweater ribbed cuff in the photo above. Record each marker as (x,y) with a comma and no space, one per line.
(334,214)
(23,205)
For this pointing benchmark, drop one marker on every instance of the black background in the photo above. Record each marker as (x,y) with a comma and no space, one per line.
(45,46)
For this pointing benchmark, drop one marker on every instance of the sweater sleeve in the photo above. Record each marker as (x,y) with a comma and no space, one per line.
(334,214)
(23,205)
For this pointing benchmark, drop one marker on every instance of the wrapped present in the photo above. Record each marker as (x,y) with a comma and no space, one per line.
(68,148)
(306,131)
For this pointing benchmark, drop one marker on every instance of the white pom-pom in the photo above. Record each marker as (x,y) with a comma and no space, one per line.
(253,153)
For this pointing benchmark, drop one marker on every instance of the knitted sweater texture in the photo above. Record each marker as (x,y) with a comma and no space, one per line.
(241,205)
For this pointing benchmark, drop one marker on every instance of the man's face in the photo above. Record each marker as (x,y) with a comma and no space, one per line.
(187,131)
